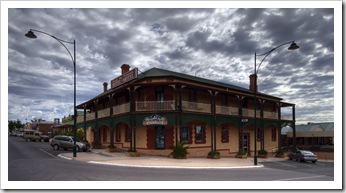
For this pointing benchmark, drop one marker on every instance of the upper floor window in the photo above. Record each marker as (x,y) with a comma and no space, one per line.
(192,95)
(159,94)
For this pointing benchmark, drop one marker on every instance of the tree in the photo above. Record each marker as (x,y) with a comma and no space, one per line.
(13,124)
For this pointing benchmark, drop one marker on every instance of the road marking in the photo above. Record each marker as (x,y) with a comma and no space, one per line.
(286,164)
(64,157)
(47,153)
(174,167)
(300,178)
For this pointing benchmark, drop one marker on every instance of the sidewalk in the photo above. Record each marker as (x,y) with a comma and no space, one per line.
(100,156)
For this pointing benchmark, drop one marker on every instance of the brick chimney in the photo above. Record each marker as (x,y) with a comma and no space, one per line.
(125,68)
(253,84)
(105,84)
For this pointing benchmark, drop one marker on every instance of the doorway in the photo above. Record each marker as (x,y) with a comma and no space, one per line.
(159,137)
(245,143)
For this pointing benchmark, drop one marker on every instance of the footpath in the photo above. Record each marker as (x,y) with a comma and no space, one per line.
(100,156)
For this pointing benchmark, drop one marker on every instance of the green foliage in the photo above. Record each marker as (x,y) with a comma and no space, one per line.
(262,152)
(179,150)
(13,124)
(213,154)
(242,152)
(280,152)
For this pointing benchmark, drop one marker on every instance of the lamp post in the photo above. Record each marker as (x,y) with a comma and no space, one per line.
(293,46)
(31,35)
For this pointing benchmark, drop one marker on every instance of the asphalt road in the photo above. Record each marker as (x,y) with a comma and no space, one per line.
(37,161)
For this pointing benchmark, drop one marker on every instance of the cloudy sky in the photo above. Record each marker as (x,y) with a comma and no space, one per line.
(217,44)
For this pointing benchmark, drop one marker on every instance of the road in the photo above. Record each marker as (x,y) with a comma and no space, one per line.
(37,161)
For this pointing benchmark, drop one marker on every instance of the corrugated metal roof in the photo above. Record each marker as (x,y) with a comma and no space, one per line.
(328,126)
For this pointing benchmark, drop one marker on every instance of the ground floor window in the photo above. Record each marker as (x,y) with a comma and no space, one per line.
(273,134)
(224,135)
(117,134)
(184,134)
(199,134)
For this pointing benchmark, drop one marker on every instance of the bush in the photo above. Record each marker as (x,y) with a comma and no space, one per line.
(280,152)
(213,154)
(179,150)
(242,152)
(262,152)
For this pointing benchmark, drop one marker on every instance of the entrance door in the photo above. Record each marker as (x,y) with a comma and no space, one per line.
(160,137)
(245,144)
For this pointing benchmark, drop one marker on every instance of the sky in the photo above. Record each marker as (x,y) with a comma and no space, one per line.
(217,44)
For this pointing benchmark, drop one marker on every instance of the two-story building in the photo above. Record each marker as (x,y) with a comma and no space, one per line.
(150,111)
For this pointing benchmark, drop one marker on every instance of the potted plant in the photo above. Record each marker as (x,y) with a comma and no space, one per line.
(111,148)
(214,155)
(263,153)
(280,153)
(132,153)
(179,150)
(241,154)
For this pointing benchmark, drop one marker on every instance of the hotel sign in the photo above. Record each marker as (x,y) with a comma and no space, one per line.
(126,77)
(155,120)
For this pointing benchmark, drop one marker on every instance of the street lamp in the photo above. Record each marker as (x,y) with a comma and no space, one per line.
(31,35)
(293,46)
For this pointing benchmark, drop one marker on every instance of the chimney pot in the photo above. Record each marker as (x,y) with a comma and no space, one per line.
(105,84)
(125,68)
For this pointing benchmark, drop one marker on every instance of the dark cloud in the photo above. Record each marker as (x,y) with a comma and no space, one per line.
(218,44)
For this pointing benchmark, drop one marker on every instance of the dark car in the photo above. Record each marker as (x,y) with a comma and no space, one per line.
(66,142)
(303,155)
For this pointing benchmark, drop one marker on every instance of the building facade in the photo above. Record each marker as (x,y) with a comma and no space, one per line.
(151,111)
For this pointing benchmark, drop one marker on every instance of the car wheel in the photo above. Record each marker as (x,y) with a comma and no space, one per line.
(313,162)
(28,139)
(42,140)
(56,147)
(299,160)
(77,149)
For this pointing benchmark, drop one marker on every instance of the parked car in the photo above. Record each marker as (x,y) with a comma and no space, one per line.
(35,136)
(303,155)
(66,142)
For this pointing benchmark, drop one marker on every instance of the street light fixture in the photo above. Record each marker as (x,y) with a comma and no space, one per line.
(31,35)
(293,46)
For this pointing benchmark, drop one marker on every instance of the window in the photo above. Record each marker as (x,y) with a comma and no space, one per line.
(273,134)
(258,134)
(184,134)
(199,134)
(117,134)
(224,135)
(127,134)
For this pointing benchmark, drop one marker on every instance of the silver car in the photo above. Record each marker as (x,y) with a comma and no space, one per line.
(66,142)
(303,155)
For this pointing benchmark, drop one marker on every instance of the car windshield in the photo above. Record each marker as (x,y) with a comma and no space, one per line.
(307,153)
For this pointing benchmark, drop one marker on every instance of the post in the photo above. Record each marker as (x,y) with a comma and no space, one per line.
(74,102)
(255,114)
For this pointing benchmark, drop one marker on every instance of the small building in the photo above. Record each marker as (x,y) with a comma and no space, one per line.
(311,134)
(151,111)
(44,126)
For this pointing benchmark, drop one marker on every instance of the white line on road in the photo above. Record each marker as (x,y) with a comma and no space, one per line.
(47,153)
(299,178)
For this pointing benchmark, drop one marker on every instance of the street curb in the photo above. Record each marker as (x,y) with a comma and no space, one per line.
(174,167)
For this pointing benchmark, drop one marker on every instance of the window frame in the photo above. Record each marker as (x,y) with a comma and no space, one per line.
(224,134)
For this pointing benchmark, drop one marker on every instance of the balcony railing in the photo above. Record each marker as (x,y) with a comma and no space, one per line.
(155,106)
(119,109)
(251,113)
(226,110)
(147,106)
(196,107)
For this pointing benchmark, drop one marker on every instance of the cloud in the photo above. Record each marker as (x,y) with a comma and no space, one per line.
(217,44)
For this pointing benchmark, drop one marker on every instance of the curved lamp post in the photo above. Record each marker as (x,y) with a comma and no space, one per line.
(293,46)
(31,35)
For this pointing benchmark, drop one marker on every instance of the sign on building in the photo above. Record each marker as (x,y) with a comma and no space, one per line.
(155,120)
(126,77)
